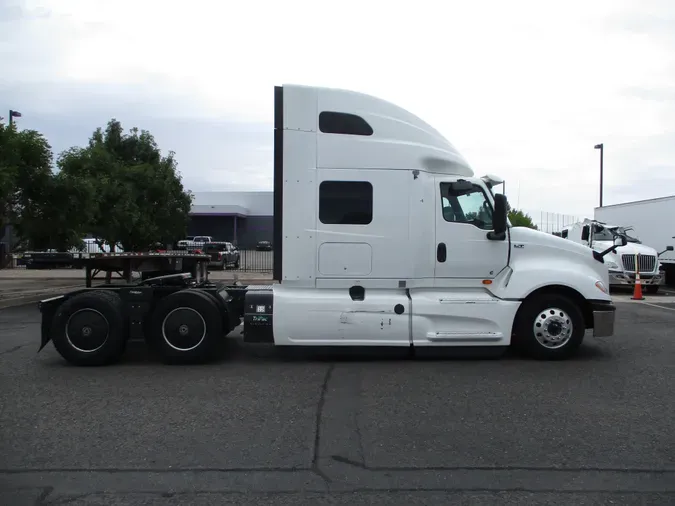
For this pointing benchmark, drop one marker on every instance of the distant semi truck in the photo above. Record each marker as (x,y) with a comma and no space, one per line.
(652,223)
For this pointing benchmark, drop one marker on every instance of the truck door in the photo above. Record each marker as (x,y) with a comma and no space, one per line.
(463,219)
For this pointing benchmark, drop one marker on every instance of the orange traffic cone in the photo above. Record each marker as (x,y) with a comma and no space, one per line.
(637,291)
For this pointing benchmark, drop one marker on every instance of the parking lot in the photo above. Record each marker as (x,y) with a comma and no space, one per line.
(264,427)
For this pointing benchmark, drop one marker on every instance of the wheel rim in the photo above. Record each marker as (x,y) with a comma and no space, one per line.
(87,330)
(553,328)
(184,329)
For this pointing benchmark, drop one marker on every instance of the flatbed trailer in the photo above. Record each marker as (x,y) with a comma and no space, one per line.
(149,264)
(47,259)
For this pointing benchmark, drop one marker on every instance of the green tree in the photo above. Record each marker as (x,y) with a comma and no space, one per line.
(139,196)
(520,219)
(38,203)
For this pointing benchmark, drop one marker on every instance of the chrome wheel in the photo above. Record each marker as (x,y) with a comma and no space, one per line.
(87,330)
(553,328)
(184,329)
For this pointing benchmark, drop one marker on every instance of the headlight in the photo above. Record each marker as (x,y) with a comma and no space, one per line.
(613,266)
(601,286)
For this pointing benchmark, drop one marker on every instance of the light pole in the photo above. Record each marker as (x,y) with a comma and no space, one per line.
(601,147)
(12,115)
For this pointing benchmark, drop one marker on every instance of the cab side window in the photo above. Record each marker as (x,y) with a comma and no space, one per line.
(469,206)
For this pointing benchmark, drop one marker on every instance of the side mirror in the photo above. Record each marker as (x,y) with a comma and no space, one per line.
(585,233)
(669,248)
(622,241)
(499,219)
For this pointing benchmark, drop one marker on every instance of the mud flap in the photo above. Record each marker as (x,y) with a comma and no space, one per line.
(48,308)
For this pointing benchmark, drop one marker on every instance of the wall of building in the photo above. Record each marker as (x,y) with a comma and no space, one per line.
(253,229)
(249,230)
(257,226)
(260,203)
(221,228)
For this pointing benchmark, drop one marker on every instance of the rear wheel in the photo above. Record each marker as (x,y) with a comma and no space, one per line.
(187,327)
(236,263)
(88,329)
(549,327)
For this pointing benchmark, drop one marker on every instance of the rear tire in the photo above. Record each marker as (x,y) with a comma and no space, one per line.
(187,328)
(549,327)
(89,329)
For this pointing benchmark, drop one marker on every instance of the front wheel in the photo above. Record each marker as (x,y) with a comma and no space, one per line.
(549,327)
(652,289)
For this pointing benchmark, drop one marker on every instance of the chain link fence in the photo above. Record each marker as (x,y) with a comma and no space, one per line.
(551,222)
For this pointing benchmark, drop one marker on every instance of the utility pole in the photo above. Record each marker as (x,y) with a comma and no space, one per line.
(601,147)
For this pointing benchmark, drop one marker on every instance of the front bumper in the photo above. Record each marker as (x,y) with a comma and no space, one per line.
(628,279)
(604,314)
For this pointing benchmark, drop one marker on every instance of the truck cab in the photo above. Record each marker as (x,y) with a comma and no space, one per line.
(625,261)
(388,238)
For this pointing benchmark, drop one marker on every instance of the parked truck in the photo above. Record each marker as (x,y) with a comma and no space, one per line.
(194,243)
(651,222)
(383,237)
(625,261)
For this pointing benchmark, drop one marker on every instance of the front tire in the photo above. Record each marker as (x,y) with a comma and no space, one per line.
(89,329)
(187,328)
(652,289)
(549,327)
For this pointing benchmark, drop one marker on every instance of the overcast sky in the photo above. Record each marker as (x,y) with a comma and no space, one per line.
(523,88)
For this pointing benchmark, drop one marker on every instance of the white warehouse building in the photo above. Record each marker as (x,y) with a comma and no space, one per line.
(236,216)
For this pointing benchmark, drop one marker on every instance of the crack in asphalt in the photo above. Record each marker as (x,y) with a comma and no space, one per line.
(316,468)
(336,458)
(344,460)
(12,350)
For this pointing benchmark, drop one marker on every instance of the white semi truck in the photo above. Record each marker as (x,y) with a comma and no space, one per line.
(652,222)
(385,238)
(624,261)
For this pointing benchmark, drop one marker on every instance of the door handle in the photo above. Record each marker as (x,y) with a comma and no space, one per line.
(441,252)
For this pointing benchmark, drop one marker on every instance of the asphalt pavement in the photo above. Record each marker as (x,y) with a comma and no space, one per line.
(265,427)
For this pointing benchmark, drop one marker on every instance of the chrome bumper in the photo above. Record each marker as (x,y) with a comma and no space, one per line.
(628,279)
(604,314)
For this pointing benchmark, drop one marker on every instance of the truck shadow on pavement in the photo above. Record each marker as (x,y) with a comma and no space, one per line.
(137,352)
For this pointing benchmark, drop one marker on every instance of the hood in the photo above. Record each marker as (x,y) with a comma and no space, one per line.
(528,235)
(629,249)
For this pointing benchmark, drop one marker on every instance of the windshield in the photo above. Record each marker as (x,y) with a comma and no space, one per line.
(608,234)
(603,234)
(626,233)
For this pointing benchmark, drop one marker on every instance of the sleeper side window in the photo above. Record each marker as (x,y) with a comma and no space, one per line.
(345,202)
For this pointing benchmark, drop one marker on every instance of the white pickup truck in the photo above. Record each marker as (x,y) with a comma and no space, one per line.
(194,243)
